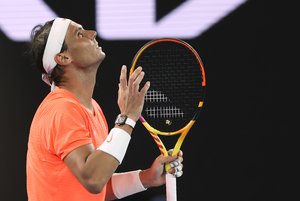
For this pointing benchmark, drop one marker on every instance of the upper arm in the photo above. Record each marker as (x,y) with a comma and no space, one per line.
(92,168)
(76,159)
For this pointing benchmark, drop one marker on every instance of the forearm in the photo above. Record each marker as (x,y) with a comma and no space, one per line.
(145,179)
(148,178)
(94,168)
(124,184)
(98,169)
(109,192)
(111,152)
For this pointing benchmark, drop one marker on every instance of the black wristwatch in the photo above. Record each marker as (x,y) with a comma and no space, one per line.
(122,119)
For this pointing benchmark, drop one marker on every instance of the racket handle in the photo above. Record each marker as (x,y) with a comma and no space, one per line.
(171,191)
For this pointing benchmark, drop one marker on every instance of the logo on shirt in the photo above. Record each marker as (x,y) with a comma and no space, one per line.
(109,138)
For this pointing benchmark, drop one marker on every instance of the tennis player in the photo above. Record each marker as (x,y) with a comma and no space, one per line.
(72,155)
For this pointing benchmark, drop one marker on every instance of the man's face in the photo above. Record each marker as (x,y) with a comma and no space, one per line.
(83,47)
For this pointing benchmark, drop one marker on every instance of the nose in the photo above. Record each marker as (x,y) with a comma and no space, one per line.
(91,34)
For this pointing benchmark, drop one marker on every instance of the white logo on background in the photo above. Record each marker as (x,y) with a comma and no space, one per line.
(122,20)
(18,17)
(135,19)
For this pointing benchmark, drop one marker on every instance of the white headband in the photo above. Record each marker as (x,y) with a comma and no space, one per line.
(54,44)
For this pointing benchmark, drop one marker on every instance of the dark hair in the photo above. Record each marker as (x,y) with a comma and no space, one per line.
(36,47)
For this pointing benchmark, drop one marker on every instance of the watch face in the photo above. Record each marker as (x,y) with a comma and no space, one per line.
(121,119)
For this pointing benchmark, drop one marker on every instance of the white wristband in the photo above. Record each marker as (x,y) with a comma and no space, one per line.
(130,122)
(116,143)
(127,183)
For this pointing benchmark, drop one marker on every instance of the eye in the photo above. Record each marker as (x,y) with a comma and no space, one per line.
(79,34)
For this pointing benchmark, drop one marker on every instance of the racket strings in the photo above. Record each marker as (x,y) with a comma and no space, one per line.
(164,112)
(156,96)
(167,111)
(175,76)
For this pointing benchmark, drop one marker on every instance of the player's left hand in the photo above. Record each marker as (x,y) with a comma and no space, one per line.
(155,175)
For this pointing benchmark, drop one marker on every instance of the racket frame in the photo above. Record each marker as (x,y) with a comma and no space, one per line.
(183,131)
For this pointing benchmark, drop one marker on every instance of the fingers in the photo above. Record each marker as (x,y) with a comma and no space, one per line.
(179,154)
(145,88)
(123,80)
(134,75)
(137,81)
(178,173)
(170,152)
(176,169)
(175,163)
(134,80)
(130,96)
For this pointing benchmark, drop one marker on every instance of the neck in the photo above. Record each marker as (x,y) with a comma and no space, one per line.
(81,85)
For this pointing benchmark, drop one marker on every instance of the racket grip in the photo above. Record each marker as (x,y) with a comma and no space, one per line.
(171,191)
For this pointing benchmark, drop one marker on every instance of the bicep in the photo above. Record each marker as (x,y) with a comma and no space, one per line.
(92,168)
(77,158)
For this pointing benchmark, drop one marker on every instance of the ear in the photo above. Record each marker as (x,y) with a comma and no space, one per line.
(62,59)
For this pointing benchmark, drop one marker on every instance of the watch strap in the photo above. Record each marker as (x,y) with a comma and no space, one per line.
(130,122)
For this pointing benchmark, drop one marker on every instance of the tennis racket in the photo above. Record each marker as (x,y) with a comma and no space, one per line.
(175,98)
